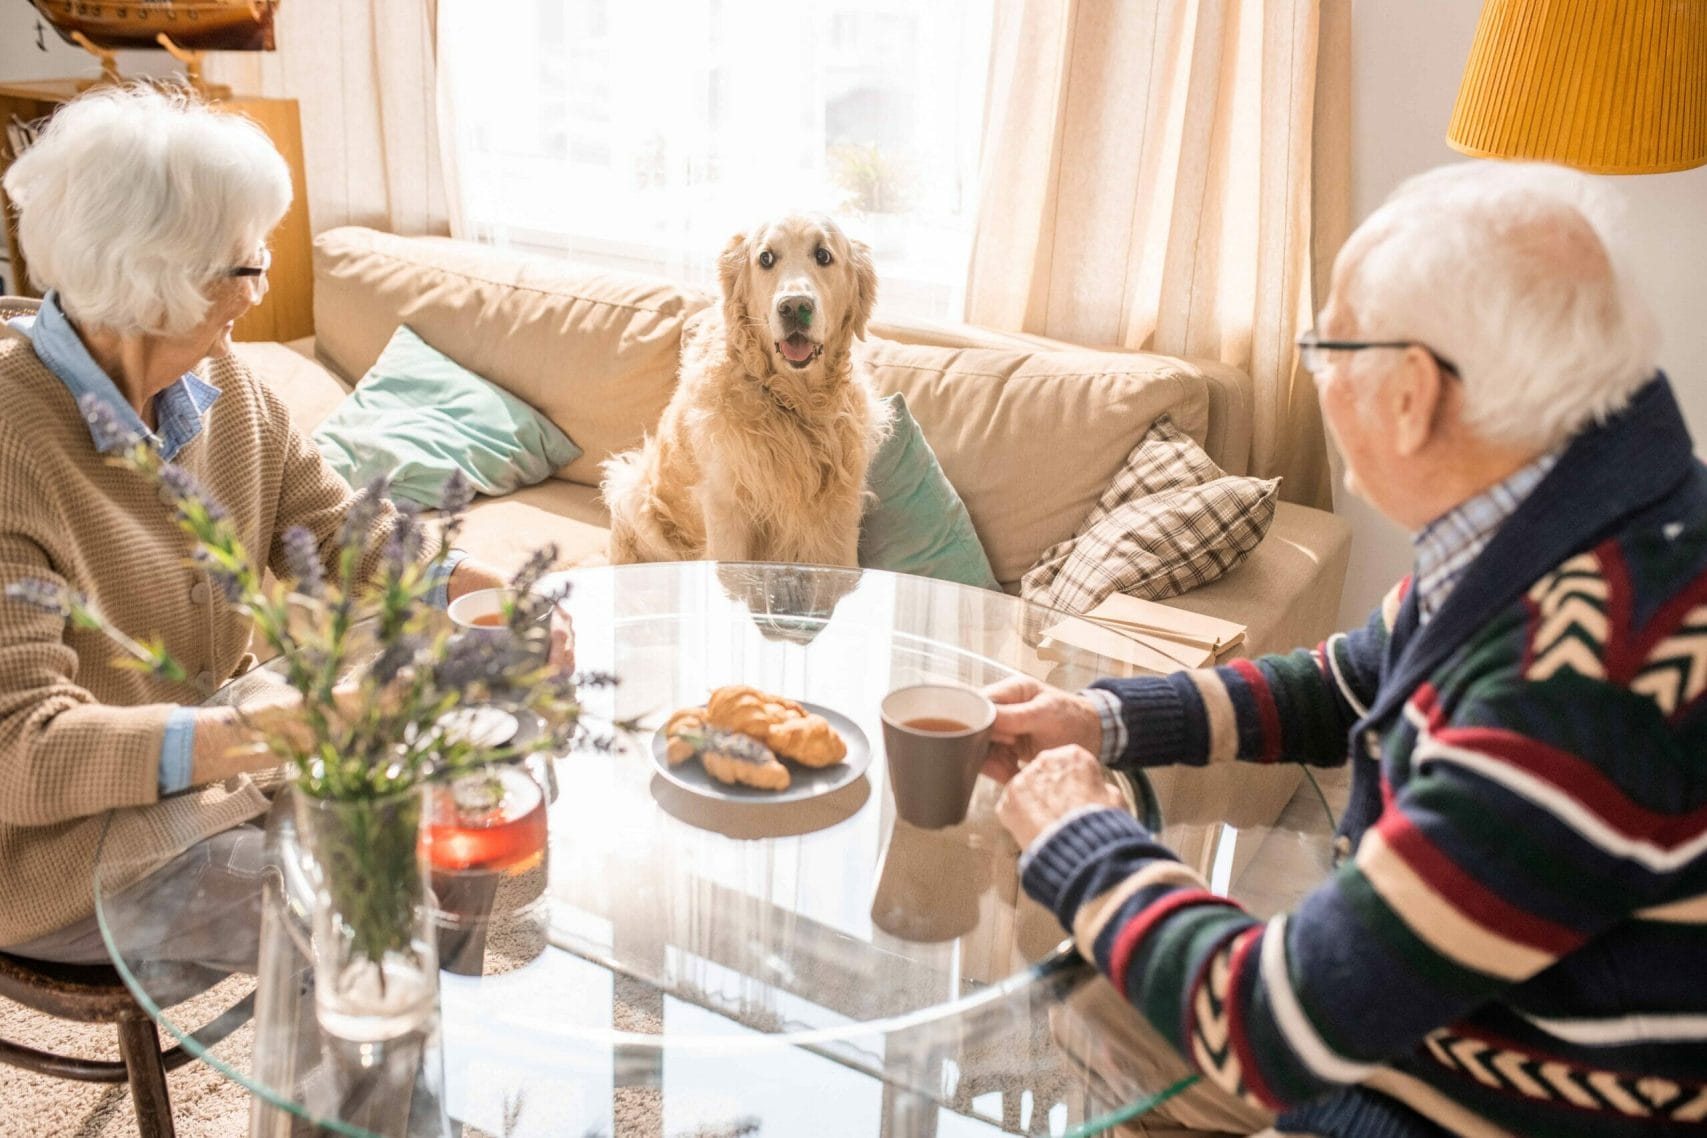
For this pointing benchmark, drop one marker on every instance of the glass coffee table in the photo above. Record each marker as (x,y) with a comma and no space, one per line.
(697,964)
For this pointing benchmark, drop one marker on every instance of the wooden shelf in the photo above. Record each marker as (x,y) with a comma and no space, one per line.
(287,311)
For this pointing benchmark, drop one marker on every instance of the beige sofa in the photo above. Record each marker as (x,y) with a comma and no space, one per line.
(1029,432)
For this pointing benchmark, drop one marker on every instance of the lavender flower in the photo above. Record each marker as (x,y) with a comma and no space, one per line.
(228,581)
(362,512)
(399,654)
(48,596)
(178,487)
(302,561)
(536,566)
(404,544)
(109,431)
(458,492)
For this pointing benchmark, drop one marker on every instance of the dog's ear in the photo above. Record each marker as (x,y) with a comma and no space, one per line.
(865,285)
(731,263)
(732,267)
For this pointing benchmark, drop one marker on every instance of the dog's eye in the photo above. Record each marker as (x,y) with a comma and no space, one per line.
(766,259)
(822,256)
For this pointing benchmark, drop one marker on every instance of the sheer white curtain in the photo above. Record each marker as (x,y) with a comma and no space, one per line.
(641,136)
(1159,174)
(363,74)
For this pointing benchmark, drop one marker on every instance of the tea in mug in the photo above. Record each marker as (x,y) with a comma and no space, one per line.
(935,723)
(488,620)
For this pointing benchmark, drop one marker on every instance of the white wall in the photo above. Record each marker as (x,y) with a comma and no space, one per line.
(21,60)
(1406,62)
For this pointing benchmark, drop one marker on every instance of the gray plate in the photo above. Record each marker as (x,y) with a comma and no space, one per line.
(803,782)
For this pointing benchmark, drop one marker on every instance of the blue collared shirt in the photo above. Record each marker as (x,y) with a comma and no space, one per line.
(179,411)
(1446,546)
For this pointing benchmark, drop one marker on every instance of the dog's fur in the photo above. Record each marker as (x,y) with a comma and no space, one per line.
(759,457)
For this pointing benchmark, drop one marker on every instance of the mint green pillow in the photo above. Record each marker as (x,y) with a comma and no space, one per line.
(918,524)
(418,415)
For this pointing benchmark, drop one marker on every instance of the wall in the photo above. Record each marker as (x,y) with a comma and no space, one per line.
(21,60)
(1406,62)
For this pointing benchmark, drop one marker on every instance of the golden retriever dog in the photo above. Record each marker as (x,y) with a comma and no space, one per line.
(762,452)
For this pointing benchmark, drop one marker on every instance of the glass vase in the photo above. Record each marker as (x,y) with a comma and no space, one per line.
(375,964)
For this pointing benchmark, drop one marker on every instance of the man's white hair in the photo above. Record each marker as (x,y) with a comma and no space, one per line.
(133,202)
(1515,273)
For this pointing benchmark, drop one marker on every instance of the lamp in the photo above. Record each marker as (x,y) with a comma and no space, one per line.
(1608,87)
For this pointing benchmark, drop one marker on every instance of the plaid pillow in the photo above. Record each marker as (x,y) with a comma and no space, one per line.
(1171,520)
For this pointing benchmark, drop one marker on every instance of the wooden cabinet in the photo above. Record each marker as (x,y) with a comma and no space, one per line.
(287,312)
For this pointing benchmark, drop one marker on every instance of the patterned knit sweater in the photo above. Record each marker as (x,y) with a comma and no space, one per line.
(80,736)
(1518,944)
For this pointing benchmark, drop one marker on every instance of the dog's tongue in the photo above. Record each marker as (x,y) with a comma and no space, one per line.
(797,348)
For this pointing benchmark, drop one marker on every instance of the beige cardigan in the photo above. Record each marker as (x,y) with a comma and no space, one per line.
(79,737)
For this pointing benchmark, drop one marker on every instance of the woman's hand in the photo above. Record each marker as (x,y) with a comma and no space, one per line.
(1032,717)
(562,654)
(1056,783)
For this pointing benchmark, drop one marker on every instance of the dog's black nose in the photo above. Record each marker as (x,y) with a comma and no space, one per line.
(795,308)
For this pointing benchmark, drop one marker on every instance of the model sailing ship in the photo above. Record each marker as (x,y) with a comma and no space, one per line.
(192,25)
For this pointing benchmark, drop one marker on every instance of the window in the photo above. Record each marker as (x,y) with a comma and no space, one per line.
(641,137)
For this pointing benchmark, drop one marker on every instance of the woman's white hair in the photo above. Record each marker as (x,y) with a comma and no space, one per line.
(132,202)
(1515,273)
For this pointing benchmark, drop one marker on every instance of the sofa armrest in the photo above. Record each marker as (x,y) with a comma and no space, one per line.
(1287,592)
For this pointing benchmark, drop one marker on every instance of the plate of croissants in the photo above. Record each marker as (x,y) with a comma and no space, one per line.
(748,744)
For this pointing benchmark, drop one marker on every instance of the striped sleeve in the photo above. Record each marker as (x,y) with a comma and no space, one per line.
(1504,852)
(1292,707)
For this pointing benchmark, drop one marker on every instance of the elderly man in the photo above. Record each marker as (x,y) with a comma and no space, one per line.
(1514,944)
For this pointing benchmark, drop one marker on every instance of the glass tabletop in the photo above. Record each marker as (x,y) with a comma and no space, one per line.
(697,964)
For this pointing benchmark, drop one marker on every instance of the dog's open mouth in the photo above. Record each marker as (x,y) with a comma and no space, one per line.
(798,350)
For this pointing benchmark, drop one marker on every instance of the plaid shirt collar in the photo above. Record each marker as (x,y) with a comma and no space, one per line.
(178,409)
(1446,546)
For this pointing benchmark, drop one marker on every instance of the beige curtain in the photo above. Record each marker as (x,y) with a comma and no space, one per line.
(363,74)
(1167,175)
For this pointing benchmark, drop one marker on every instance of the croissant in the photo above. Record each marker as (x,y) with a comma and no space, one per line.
(809,740)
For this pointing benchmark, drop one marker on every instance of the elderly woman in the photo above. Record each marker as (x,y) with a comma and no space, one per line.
(145,217)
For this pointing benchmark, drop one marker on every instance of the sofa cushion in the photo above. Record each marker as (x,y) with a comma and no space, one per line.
(1169,522)
(1032,438)
(419,416)
(503,532)
(594,350)
(917,524)
(308,390)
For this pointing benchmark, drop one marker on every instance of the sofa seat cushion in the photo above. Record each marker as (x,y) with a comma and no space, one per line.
(503,532)
(1032,438)
(596,351)
(308,390)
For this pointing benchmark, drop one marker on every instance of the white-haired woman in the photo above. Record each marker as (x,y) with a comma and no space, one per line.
(145,217)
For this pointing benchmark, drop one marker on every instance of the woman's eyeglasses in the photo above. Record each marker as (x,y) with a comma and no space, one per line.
(259,270)
(1313,351)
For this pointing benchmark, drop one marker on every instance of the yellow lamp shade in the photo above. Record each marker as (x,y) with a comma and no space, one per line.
(1607,86)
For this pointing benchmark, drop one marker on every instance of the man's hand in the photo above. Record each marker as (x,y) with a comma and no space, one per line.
(1053,785)
(1033,717)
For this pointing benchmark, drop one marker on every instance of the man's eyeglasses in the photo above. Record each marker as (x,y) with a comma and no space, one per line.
(259,270)
(1313,352)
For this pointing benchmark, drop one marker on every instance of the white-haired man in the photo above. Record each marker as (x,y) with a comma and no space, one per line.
(1514,943)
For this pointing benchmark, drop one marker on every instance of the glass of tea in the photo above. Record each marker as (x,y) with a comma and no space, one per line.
(935,737)
(486,845)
